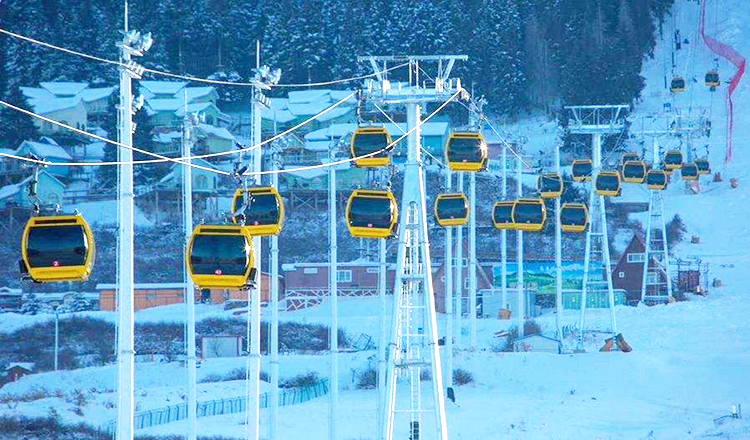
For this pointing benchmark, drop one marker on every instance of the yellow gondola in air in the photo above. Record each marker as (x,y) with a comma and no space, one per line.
(57,248)
(529,214)
(581,170)
(371,214)
(221,256)
(657,180)
(673,160)
(634,171)
(608,184)
(704,166)
(452,209)
(261,212)
(712,79)
(629,157)
(466,151)
(677,85)
(502,215)
(689,171)
(574,217)
(550,185)
(367,140)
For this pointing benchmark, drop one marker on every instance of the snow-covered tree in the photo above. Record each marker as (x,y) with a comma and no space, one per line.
(31,304)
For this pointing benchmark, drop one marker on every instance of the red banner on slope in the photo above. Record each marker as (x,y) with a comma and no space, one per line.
(733,57)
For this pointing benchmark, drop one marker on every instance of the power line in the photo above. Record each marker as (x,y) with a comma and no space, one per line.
(52,121)
(403,132)
(374,153)
(179,160)
(185,77)
(203,156)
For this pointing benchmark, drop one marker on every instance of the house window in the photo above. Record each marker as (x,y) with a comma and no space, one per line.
(344,276)
(636,258)
(310,270)
(53,199)
(201,182)
(621,274)
(464,262)
(210,120)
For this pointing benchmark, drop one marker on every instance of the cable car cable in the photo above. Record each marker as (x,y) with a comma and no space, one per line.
(202,156)
(424,150)
(190,78)
(310,167)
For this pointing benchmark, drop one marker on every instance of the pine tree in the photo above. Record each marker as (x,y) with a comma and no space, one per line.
(78,303)
(31,304)
(16,127)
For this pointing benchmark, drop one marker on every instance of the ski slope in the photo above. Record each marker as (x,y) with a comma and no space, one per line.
(691,360)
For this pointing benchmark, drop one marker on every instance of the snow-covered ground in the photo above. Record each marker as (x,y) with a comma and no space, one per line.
(690,364)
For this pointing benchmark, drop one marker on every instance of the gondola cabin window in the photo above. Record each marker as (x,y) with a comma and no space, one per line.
(219,255)
(58,246)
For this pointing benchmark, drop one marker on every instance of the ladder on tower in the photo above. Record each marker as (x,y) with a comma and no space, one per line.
(597,272)
(412,348)
(656,287)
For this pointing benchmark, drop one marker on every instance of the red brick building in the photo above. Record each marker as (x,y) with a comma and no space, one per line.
(628,273)
(148,295)
(307,283)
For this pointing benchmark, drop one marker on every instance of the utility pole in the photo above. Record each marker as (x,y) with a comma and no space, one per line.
(132,44)
(57,334)
(334,287)
(448,285)
(187,203)
(558,257)
(519,256)
(504,233)
(383,341)
(263,79)
(459,284)
(473,260)
(273,419)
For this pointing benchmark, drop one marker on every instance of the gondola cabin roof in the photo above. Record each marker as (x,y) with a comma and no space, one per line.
(452,209)
(58,248)
(628,157)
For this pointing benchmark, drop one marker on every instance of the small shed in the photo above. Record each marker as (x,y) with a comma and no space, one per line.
(16,370)
(537,343)
(221,346)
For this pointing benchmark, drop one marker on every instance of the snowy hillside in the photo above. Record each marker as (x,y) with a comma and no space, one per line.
(690,361)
